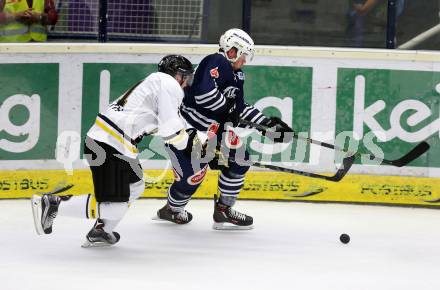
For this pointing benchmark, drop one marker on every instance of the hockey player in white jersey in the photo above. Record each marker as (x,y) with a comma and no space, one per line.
(149,107)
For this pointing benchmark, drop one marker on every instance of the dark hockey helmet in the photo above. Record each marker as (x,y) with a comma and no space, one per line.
(173,64)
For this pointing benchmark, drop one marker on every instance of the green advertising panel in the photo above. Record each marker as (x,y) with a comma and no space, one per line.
(398,108)
(28,110)
(294,83)
(282,82)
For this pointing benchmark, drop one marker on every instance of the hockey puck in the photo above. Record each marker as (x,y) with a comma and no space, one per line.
(344,238)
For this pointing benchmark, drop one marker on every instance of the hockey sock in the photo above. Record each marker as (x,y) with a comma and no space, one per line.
(80,206)
(229,185)
(227,200)
(136,189)
(177,200)
(111,213)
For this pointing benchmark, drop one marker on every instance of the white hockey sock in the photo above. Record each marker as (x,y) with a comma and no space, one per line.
(109,225)
(136,189)
(111,213)
(80,206)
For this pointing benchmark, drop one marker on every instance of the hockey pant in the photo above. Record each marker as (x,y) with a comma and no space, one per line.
(117,182)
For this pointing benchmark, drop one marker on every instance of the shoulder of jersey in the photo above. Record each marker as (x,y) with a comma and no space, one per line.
(220,60)
(218,66)
(161,76)
(165,79)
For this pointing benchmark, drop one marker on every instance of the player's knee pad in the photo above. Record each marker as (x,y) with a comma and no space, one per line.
(237,169)
(235,172)
(240,166)
(112,210)
(136,189)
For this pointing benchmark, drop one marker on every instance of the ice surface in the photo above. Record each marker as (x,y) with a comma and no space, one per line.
(293,246)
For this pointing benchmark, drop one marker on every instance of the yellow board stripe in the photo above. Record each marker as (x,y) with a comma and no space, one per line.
(401,190)
(116,136)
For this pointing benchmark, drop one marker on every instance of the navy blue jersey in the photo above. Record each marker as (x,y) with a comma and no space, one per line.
(215,86)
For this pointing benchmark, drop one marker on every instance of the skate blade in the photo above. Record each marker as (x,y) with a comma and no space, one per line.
(36,212)
(230,227)
(88,244)
(156,218)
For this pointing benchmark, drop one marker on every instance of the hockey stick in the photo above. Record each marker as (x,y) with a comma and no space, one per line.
(413,154)
(307,193)
(61,189)
(347,162)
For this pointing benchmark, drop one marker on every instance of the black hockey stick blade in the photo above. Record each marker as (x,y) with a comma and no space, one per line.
(415,153)
(342,171)
(61,189)
(307,193)
(347,162)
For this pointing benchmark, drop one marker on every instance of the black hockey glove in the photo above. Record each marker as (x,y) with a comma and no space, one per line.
(280,132)
(194,146)
(233,116)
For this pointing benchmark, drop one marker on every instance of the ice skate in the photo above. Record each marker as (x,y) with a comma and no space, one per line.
(44,209)
(226,218)
(178,217)
(97,237)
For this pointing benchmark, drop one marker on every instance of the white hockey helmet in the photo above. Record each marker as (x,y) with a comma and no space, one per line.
(240,40)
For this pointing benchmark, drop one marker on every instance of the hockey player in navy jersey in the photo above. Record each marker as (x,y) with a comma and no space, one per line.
(217,97)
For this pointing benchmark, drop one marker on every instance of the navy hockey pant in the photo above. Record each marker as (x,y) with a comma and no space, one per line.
(188,177)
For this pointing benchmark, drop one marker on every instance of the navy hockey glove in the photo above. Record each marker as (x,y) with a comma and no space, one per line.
(280,132)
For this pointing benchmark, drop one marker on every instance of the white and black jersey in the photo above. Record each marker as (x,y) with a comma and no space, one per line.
(150,107)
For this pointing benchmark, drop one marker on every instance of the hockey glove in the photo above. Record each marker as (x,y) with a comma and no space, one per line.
(280,132)
(194,146)
(196,149)
(233,116)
